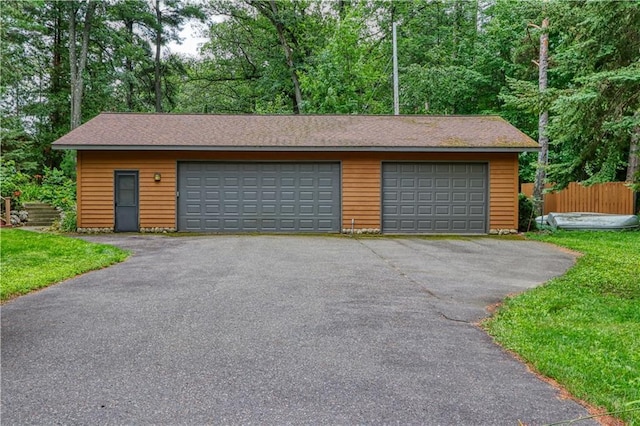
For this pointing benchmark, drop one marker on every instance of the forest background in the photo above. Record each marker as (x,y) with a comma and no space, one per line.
(63,62)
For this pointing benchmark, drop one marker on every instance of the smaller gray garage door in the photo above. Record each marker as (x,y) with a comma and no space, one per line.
(434,197)
(268,197)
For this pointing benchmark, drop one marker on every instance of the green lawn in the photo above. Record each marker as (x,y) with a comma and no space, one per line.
(30,260)
(583,329)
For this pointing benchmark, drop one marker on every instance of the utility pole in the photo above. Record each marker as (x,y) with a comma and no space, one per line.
(396,97)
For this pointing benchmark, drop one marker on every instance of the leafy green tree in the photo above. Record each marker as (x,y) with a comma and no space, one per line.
(34,108)
(595,119)
(170,15)
(257,55)
(351,73)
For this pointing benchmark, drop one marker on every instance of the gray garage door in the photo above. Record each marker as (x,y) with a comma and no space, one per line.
(434,197)
(271,197)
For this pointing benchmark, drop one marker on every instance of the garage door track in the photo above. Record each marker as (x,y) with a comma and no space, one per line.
(279,330)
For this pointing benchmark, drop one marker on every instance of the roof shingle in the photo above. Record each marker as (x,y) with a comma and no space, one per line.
(128,131)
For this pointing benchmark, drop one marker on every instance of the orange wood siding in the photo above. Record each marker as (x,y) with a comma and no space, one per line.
(95,189)
(503,192)
(361,193)
(361,174)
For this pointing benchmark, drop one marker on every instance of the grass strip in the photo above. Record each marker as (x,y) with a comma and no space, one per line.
(31,260)
(583,328)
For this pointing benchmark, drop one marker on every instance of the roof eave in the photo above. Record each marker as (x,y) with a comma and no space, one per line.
(293,148)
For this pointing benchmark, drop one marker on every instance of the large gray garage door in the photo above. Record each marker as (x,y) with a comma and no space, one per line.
(434,197)
(271,197)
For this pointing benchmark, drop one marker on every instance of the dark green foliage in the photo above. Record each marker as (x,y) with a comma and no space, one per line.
(58,190)
(526,214)
(11,182)
(69,221)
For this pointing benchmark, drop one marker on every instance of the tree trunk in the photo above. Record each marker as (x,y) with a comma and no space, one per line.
(543,118)
(633,167)
(78,64)
(73,63)
(129,66)
(56,117)
(158,75)
(288,53)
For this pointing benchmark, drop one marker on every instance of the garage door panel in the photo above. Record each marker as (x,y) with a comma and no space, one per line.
(287,224)
(459,210)
(476,183)
(307,209)
(443,210)
(268,224)
(459,168)
(209,209)
(287,209)
(459,225)
(194,208)
(459,183)
(250,224)
(425,183)
(434,197)
(442,226)
(408,210)
(325,182)
(193,223)
(210,195)
(460,197)
(477,225)
(269,209)
(477,168)
(443,183)
(477,211)
(249,209)
(249,182)
(259,196)
(424,224)
(269,195)
(194,182)
(478,197)
(407,196)
(390,196)
(306,182)
(390,211)
(268,182)
(287,182)
(211,223)
(444,197)
(287,195)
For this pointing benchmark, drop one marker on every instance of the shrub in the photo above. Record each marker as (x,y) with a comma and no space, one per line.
(526,214)
(68,222)
(58,190)
(30,191)
(11,181)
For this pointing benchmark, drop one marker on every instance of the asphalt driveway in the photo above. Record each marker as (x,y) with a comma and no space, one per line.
(279,330)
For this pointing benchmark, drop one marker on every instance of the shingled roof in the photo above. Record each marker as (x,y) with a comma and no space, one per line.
(131,131)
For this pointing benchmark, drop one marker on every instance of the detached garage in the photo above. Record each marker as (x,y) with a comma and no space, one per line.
(302,173)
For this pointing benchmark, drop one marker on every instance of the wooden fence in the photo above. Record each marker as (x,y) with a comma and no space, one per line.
(611,197)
